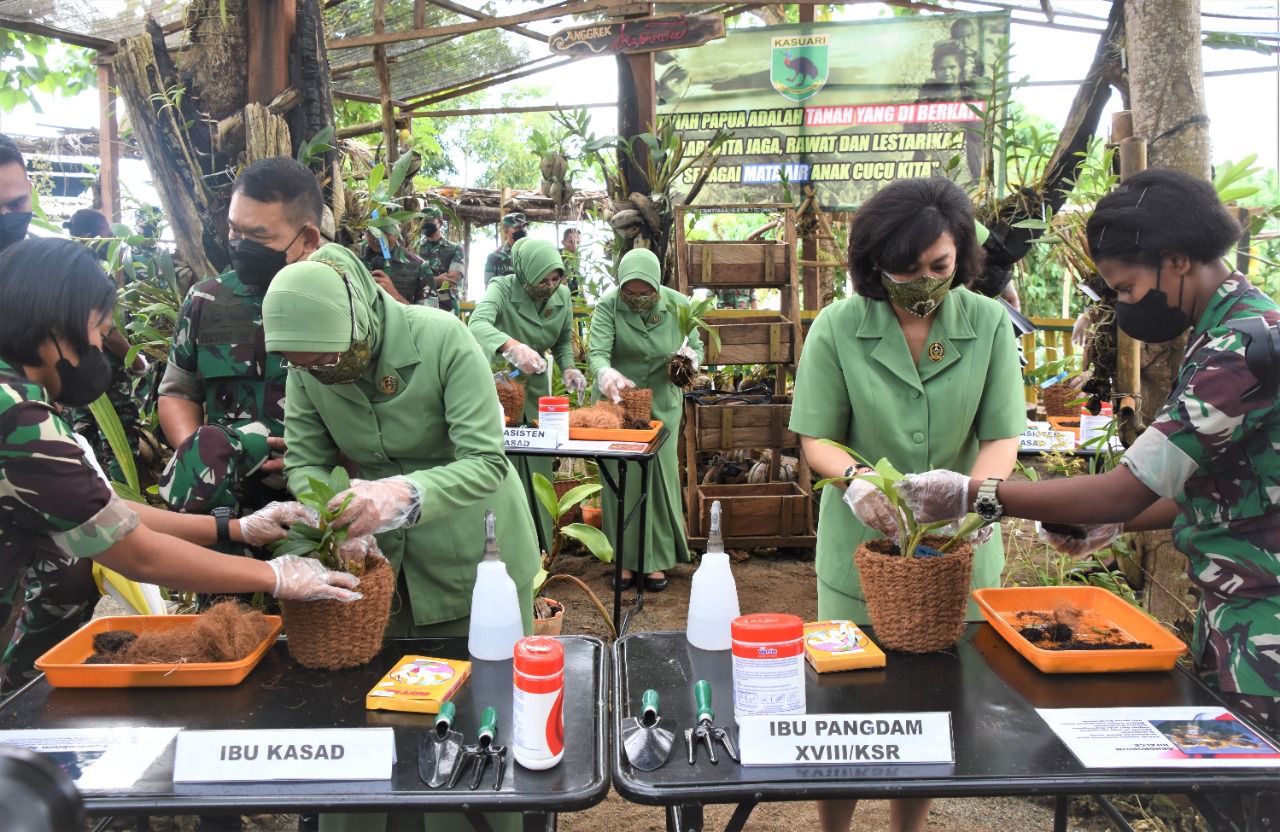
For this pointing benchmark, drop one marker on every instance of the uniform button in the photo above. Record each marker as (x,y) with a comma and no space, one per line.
(917,437)
(915,394)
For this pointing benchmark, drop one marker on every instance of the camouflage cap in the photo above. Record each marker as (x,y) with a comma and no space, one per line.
(432,213)
(516,219)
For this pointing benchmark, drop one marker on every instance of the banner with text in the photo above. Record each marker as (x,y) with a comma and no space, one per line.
(846,107)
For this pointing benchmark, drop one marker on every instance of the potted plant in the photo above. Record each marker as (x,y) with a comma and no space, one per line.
(589,536)
(916,585)
(592,513)
(330,635)
(690,318)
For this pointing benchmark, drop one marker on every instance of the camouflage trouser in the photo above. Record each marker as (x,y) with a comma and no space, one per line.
(55,594)
(1244,812)
(217,468)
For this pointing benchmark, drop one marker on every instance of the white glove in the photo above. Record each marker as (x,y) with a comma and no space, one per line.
(872,508)
(612,383)
(271,523)
(525,359)
(306,579)
(976,539)
(937,495)
(354,550)
(687,352)
(575,381)
(1081,540)
(377,506)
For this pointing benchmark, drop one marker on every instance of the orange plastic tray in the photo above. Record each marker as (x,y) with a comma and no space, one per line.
(619,435)
(1000,605)
(1069,424)
(64,666)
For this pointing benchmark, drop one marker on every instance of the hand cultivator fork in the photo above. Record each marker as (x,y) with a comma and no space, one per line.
(481,753)
(706,731)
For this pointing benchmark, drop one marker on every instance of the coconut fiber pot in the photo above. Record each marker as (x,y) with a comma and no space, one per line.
(916,604)
(331,635)
(637,405)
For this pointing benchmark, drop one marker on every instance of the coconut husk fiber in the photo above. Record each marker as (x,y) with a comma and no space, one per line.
(637,405)
(603,415)
(511,395)
(226,632)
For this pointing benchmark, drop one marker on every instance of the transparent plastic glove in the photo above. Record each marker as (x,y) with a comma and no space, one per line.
(355,550)
(612,383)
(525,359)
(377,506)
(272,522)
(937,495)
(872,508)
(306,579)
(574,381)
(981,536)
(1081,540)
(687,352)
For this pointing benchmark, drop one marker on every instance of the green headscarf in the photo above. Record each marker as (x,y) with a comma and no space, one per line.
(533,261)
(307,307)
(640,264)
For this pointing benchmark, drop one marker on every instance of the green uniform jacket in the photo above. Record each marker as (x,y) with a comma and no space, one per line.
(640,349)
(506,311)
(434,417)
(857,384)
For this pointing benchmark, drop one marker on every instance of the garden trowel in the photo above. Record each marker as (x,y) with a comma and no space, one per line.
(646,742)
(439,748)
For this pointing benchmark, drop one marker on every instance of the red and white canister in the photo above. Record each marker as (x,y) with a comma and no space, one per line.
(538,702)
(768,664)
(553,416)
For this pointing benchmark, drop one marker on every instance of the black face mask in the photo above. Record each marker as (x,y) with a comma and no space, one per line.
(256,264)
(519,234)
(1152,319)
(82,383)
(430,229)
(13,227)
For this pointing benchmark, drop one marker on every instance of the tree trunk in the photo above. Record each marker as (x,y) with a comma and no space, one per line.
(1166,85)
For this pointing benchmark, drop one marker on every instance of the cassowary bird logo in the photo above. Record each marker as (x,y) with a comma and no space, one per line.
(799,66)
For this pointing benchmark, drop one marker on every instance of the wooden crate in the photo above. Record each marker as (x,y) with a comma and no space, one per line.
(763,338)
(739,263)
(772,509)
(749,424)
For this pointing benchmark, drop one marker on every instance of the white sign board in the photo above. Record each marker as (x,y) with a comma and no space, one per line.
(846,739)
(529,438)
(1175,737)
(285,754)
(1040,436)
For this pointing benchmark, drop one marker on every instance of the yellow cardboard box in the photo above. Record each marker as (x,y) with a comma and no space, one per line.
(839,645)
(419,684)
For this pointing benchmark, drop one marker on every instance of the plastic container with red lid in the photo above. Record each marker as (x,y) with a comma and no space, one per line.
(553,416)
(538,702)
(768,664)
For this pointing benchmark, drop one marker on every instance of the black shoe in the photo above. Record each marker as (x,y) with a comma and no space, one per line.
(623,583)
(656,584)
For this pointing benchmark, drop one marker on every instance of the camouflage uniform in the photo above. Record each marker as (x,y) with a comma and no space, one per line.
(572,273)
(218,359)
(1217,457)
(54,509)
(733,299)
(413,280)
(498,263)
(442,257)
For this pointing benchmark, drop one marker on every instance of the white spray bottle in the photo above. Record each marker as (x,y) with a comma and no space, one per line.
(495,608)
(713,600)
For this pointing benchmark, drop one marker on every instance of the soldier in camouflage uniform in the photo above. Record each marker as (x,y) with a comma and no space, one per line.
(400,272)
(735,299)
(514,226)
(443,260)
(1208,466)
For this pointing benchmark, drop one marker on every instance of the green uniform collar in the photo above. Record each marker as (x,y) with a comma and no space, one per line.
(951,324)
(239,287)
(1224,297)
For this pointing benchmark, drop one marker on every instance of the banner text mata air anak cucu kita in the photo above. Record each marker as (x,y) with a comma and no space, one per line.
(846,107)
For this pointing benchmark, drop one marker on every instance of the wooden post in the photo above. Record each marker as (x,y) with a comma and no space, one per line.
(271,25)
(389,137)
(637,110)
(108,142)
(809,247)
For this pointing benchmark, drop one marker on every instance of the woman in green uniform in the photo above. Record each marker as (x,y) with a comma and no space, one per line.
(521,317)
(634,332)
(916,369)
(404,393)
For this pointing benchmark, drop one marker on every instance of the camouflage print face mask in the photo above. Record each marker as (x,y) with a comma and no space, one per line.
(540,291)
(920,296)
(350,366)
(640,304)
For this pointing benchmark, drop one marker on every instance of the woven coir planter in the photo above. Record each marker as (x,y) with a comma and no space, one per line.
(916,604)
(637,405)
(511,395)
(1058,399)
(331,635)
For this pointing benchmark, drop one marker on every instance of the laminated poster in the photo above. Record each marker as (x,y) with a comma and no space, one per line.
(1184,737)
(98,759)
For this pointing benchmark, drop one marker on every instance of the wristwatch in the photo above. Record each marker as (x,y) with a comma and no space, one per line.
(222,516)
(986,505)
(854,470)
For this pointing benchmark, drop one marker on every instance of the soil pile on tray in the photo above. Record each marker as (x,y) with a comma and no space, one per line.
(226,632)
(1070,628)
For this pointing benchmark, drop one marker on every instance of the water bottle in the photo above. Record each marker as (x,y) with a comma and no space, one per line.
(713,600)
(495,608)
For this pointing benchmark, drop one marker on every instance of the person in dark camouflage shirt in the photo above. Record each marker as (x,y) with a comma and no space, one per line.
(400,272)
(514,227)
(1208,466)
(443,260)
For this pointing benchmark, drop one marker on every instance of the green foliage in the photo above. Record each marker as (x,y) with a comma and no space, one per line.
(558,508)
(692,317)
(322,540)
(312,150)
(1066,570)
(109,423)
(40,65)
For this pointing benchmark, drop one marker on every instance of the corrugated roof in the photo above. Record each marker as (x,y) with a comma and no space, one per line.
(81,21)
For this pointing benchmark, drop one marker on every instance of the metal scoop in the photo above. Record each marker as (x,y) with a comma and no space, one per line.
(646,742)
(439,748)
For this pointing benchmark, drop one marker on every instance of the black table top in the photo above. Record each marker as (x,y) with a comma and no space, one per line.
(1002,747)
(571,453)
(280,694)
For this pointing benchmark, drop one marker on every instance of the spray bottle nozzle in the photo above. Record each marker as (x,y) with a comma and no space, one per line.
(715,541)
(490,537)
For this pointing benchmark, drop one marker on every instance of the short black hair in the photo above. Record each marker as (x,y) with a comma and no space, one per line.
(955,26)
(1157,212)
(9,152)
(894,227)
(567,232)
(88,222)
(947,49)
(283,179)
(49,287)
